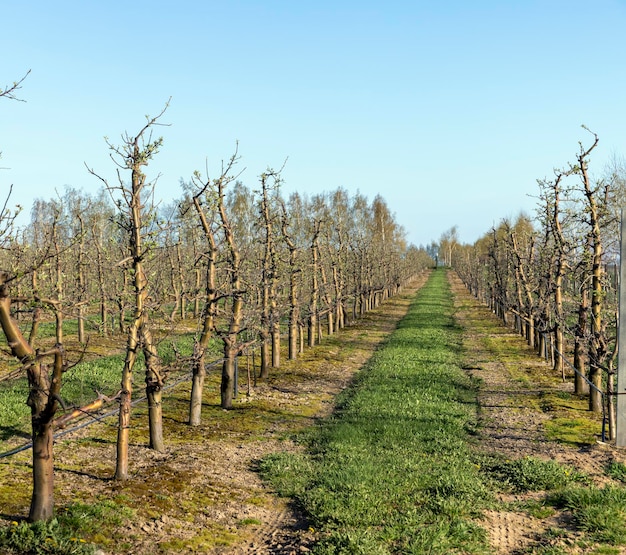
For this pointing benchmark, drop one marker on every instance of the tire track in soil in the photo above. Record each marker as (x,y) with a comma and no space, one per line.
(511,428)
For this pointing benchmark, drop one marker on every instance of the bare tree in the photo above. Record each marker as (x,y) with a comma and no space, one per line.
(206,201)
(448,242)
(295,278)
(521,240)
(136,152)
(211,206)
(269,328)
(595,196)
(43,400)
(552,194)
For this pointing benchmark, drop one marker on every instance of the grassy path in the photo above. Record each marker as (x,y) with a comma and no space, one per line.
(392,471)
(440,446)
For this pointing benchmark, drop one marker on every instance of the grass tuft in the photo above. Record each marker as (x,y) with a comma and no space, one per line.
(529,474)
(600,513)
(42,538)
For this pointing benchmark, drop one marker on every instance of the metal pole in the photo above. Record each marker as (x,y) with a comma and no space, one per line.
(620,425)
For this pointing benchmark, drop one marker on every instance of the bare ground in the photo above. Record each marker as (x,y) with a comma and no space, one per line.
(514,428)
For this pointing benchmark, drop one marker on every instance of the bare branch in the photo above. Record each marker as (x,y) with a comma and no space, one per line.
(10,90)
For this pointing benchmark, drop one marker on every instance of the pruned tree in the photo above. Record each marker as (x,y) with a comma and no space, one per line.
(337,245)
(235,302)
(595,196)
(551,213)
(223,258)
(269,328)
(44,398)
(136,211)
(206,199)
(521,239)
(314,291)
(287,224)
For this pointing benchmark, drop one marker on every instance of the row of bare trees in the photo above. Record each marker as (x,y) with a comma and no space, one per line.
(554,277)
(245,267)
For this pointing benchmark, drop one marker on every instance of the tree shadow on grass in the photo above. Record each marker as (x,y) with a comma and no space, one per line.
(9,432)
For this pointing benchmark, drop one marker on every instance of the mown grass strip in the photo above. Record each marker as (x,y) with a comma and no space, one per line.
(392,471)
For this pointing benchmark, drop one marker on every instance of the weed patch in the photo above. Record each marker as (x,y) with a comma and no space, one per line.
(42,538)
(599,512)
(529,474)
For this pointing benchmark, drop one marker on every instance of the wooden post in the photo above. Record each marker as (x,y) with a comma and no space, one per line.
(620,428)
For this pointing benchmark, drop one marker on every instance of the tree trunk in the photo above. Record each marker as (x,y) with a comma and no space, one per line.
(595,392)
(610,390)
(81,281)
(197,389)
(81,324)
(101,286)
(293,340)
(42,501)
(580,351)
(227,388)
(123,428)
(155,417)
(208,321)
(183,283)
(265,357)
(42,399)
(196,301)
(154,388)
(275,345)
(559,342)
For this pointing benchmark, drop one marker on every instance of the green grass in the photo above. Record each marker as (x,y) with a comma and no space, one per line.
(528,474)
(395,470)
(42,538)
(65,534)
(81,384)
(599,512)
(617,471)
(373,480)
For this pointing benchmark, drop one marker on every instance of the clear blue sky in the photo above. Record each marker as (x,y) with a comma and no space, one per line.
(449,109)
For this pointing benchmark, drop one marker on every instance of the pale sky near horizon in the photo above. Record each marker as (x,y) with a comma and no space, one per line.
(450,110)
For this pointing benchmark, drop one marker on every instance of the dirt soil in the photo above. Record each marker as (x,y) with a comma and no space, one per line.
(200,490)
(514,428)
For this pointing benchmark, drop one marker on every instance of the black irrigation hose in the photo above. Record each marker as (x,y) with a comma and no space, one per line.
(90,419)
